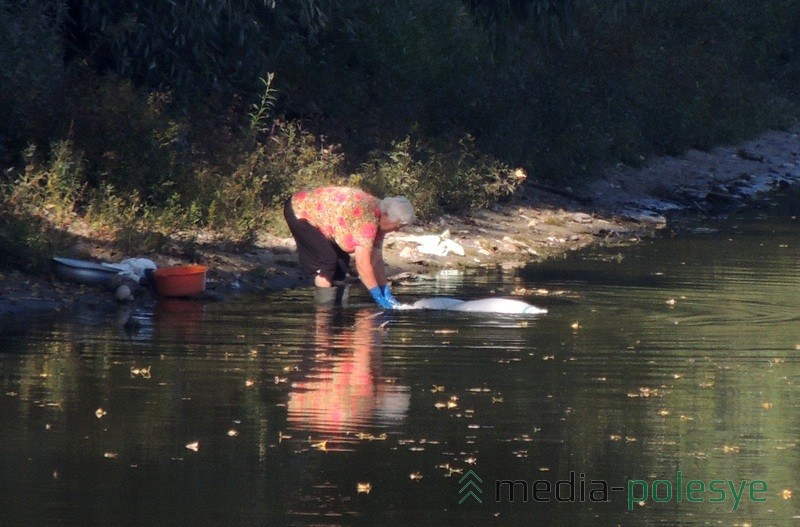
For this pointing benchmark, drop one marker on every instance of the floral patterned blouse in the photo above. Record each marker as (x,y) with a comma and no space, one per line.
(348,216)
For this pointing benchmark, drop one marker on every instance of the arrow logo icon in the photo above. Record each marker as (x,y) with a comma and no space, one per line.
(470,487)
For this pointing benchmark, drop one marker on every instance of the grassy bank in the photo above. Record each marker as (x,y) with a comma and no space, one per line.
(134,123)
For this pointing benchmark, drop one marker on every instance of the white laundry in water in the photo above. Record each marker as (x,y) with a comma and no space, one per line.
(484,305)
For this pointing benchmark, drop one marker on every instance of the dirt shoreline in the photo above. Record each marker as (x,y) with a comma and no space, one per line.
(623,205)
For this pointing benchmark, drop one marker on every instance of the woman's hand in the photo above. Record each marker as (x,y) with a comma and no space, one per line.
(380,299)
(387,294)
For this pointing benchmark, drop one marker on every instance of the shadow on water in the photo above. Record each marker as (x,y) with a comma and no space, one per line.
(668,362)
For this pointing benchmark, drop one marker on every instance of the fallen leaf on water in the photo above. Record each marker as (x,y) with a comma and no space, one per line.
(415,476)
(143,372)
(766,405)
(453,402)
(110,455)
(615,437)
(370,437)
(363,487)
(233,432)
(249,383)
(436,388)
(730,449)
(671,302)
(644,391)
(99,413)
(663,413)
(194,446)
(575,325)
(786,494)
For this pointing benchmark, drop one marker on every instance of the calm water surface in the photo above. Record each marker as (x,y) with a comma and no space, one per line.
(675,358)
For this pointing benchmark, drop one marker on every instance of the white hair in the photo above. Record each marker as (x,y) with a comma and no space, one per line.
(398,209)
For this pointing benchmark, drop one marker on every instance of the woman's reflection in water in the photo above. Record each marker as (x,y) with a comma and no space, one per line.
(342,388)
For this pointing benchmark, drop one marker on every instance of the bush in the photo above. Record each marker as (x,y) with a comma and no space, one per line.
(31,67)
(438,182)
(290,160)
(49,188)
(28,242)
(127,136)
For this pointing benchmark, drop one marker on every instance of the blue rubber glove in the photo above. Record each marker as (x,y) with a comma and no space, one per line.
(387,294)
(377,295)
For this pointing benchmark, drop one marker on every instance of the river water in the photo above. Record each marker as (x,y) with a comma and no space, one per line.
(663,388)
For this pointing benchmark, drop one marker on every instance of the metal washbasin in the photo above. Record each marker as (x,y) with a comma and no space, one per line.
(84,272)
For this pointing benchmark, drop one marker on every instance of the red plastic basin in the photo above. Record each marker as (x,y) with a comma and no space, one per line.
(181,280)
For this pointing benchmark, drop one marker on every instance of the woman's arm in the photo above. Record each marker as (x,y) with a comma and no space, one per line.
(366,269)
(379,266)
(370,266)
(370,270)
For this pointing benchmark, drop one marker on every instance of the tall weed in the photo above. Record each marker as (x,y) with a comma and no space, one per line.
(48,187)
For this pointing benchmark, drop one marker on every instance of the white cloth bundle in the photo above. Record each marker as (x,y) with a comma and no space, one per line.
(484,305)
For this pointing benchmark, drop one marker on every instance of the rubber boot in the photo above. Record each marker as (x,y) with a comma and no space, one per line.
(335,296)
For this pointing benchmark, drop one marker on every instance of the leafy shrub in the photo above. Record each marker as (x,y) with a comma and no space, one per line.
(126,135)
(290,160)
(31,67)
(28,242)
(196,48)
(437,182)
(50,187)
